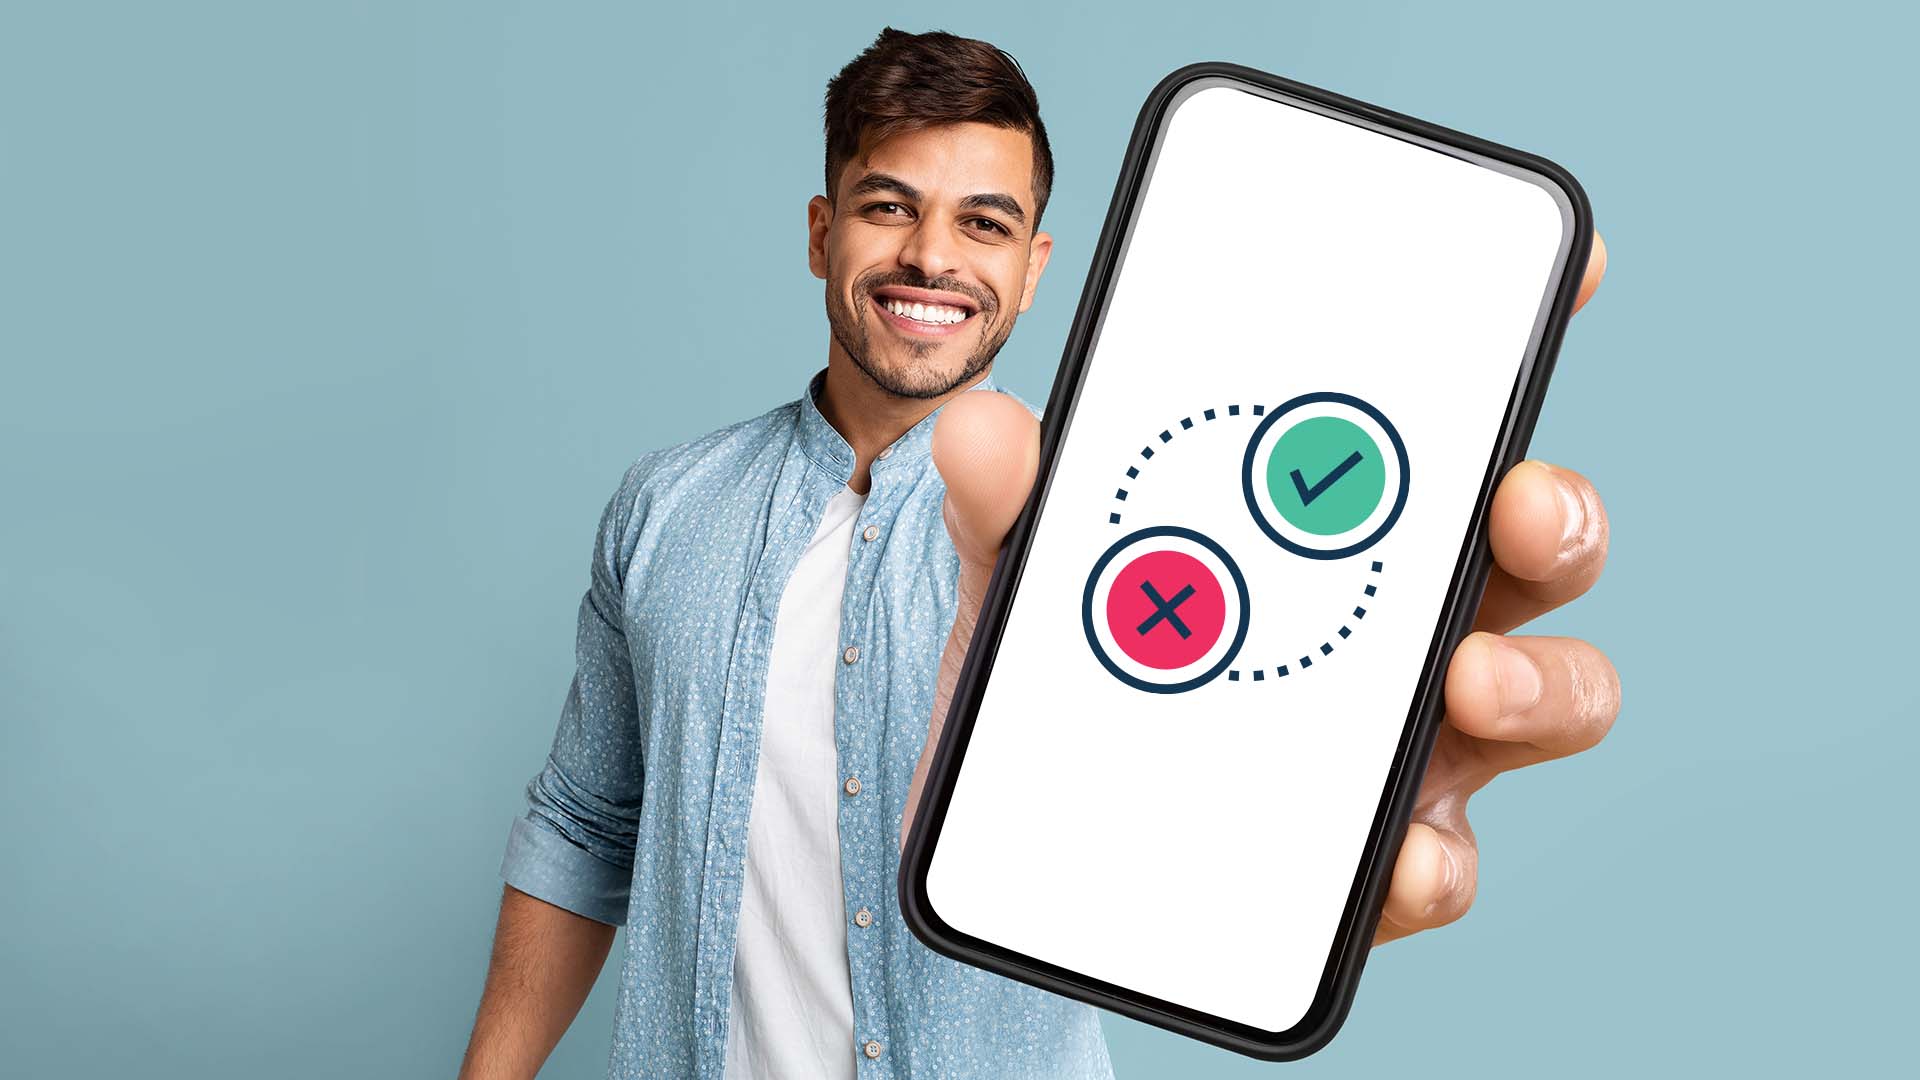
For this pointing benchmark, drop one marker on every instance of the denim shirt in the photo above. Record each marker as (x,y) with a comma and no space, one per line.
(639,816)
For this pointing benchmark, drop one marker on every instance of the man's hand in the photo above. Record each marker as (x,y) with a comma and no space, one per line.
(1511,700)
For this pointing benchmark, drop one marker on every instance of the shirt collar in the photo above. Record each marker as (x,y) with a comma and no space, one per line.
(825,445)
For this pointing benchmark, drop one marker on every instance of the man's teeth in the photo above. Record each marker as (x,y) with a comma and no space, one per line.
(926,313)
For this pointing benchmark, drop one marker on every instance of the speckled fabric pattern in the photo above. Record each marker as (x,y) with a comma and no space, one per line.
(639,816)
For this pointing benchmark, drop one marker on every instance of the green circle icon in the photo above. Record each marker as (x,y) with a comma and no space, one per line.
(1326,475)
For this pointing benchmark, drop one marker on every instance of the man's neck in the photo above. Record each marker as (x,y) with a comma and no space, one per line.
(869,417)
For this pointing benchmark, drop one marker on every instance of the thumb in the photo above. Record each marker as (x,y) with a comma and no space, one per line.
(987,448)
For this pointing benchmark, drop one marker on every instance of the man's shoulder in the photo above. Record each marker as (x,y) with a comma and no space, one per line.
(716,458)
(743,437)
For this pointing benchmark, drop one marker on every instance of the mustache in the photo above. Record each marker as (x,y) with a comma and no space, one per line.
(910,280)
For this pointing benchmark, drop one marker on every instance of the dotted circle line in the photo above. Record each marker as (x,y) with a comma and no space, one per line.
(1281,671)
(1166,436)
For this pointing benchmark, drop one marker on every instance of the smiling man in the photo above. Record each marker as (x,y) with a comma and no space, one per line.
(774,621)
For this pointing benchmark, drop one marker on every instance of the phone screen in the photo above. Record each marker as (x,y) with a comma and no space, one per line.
(1286,418)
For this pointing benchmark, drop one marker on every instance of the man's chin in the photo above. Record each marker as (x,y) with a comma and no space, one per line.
(909,366)
(917,381)
(918,369)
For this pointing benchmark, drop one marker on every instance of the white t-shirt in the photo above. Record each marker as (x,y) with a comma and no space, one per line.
(792,999)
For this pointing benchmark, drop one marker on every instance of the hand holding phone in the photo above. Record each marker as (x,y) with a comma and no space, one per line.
(1320,473)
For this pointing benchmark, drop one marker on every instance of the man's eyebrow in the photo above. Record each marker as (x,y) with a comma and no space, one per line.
(882,182)
(873,182)
(1006,204)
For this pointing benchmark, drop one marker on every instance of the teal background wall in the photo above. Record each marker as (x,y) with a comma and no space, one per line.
(326,329)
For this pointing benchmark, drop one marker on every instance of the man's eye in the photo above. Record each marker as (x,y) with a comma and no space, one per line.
(886,208)
(991,225)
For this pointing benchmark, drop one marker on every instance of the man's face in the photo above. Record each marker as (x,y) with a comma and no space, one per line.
(929,253)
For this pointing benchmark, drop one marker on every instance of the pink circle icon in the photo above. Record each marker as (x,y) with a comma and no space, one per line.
(1166,609)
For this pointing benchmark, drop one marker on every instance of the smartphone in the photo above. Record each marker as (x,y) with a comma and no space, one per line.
(1207,674)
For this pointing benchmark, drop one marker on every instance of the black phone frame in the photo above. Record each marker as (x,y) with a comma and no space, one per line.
(1340,980)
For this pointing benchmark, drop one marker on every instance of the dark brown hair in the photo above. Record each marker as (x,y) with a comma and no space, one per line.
(905,82)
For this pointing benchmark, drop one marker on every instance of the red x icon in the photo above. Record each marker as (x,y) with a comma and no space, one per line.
(1166,609)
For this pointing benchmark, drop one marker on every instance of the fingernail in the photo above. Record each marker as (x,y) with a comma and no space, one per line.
(1573,515)
(1518,678)
(1449,879)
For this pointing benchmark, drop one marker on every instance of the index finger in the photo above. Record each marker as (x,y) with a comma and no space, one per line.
(1548,530)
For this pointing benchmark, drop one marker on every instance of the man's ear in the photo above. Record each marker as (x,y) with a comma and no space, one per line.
(819,218)
(1038,252)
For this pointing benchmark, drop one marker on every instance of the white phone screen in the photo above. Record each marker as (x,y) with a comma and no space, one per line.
(1308,349)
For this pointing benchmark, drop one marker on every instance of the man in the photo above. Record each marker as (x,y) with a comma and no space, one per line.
(760,652)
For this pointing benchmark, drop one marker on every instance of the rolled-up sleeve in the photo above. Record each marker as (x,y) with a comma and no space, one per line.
(574,845)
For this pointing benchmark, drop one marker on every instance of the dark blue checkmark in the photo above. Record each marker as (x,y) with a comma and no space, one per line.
(1308,494)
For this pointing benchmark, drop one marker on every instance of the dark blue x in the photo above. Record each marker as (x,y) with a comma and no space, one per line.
(1163,609)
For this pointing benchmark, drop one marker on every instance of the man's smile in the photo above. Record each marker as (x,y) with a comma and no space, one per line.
(923,312)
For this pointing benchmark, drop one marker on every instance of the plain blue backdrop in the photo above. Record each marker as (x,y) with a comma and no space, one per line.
(328,328)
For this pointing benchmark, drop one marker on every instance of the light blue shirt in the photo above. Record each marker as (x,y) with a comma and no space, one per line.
(639,816)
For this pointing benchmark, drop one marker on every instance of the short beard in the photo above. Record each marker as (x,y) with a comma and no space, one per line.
(849,328)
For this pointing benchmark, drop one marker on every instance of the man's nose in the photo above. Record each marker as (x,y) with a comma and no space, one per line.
(931,248)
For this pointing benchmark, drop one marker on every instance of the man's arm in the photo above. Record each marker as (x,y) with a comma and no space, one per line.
(569,857)
(545,961)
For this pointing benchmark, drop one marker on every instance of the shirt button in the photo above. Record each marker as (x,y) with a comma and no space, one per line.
(852,785)
(870,533)
(872,1049)
(887,453)
(852,654)
(863,917)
